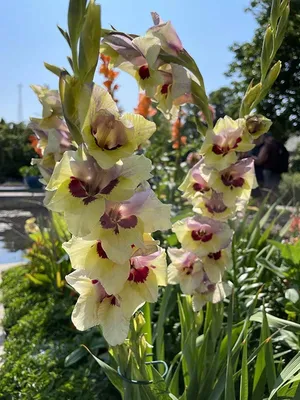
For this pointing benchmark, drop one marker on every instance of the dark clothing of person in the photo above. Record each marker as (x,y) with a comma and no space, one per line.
(258,168)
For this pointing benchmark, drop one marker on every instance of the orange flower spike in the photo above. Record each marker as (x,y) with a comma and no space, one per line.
(144,107)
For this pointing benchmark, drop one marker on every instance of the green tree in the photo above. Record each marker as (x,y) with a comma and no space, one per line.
(15,149)
(282,105)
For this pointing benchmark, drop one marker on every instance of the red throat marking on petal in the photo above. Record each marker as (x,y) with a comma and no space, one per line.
(201,236)
(144,72)
(164,89)
(138,275)
(200,188)
(100,251)
(215,256)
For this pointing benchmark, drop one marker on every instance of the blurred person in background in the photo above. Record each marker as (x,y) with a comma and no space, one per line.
(271,159)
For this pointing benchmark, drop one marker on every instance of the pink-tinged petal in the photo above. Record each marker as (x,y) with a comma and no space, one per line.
(202,235)
(165,31)
(128,222)
(124,46)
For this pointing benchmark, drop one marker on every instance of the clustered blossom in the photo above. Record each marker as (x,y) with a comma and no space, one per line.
(218,186)
(168,84)
(101,188)
(52,137)
(100,185)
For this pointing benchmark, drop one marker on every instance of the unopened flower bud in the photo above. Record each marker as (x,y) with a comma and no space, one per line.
(257,125)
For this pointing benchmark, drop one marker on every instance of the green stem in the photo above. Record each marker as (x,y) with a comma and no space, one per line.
(147,329)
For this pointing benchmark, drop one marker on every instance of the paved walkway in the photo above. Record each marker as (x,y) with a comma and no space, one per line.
(4,267)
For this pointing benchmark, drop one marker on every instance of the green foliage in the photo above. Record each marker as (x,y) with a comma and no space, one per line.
(169,162)
(40,337)
(290,186)
(15,150)
(241,348)
(49,263)
(282,105)
(31,170)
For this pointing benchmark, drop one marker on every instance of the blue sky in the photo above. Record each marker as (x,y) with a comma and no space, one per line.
(29,37)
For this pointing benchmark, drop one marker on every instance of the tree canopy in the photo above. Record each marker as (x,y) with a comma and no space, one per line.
(282,105)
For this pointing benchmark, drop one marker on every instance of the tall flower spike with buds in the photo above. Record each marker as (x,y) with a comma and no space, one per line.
(109,136)
(79,187)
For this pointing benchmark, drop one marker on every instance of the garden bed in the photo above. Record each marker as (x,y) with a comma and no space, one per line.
(40,336)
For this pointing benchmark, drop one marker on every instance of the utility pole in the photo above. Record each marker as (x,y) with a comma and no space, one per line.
(20,104)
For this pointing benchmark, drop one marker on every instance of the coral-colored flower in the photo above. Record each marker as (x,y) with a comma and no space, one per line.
(79,187)
(144,106)
(295,224)
(108,136)
(202,235)
(110,76)
(175,133)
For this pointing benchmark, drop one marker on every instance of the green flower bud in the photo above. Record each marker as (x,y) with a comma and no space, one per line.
(257,125)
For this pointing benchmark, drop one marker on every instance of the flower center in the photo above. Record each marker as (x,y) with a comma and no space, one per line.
(217,208)
(81,189)
(215,256)
(144,72)
(102,294)
(231,181)
(188,270)
(200,188)
(114,219)
(225,149)
(164,89)
(108,133)
(201,235)
(138,275)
